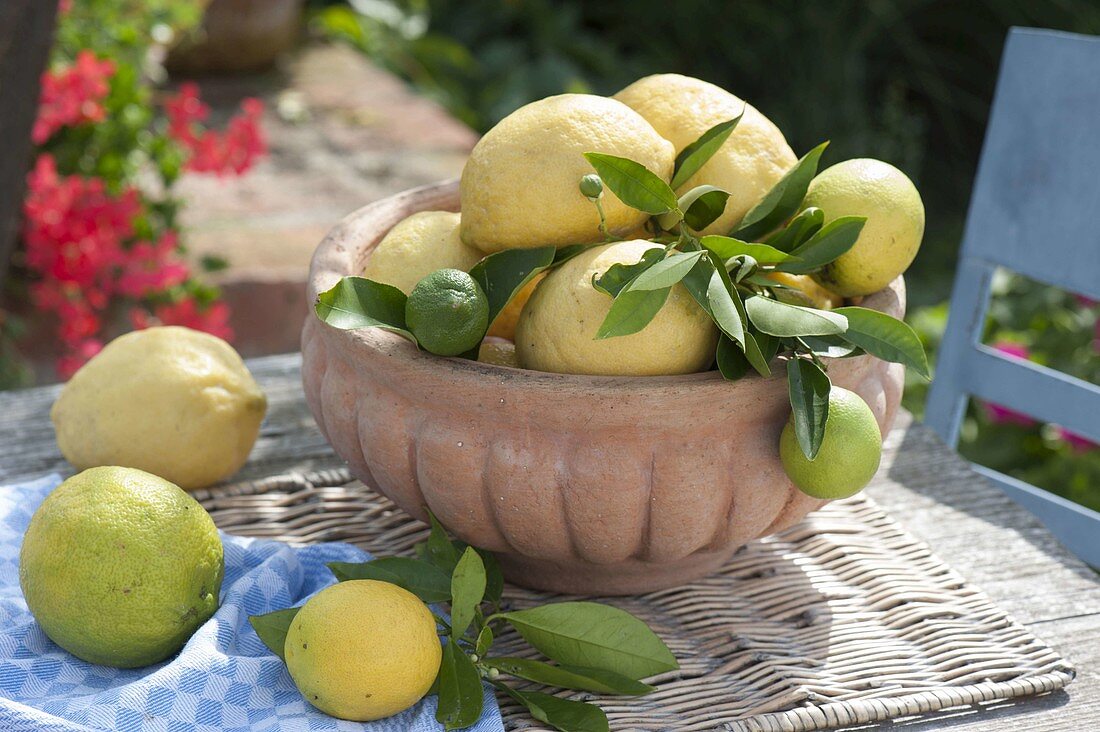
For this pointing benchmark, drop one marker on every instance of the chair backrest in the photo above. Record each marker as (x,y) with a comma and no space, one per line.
(1035,210)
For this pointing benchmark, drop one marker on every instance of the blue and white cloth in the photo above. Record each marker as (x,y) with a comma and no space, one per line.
(224,679)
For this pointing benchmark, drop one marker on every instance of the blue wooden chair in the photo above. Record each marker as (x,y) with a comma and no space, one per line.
(1034,211)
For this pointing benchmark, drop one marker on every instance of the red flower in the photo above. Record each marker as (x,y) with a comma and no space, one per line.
(212,318)
(72,96)
(68,364)
(232,151)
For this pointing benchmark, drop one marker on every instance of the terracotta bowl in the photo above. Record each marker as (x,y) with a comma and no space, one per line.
(581,484)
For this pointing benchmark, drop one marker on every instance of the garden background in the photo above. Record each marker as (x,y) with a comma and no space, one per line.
(906,81)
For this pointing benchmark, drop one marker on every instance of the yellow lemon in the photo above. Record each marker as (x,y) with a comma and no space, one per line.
(418,246)
(892,234)
(504,326)
(520,186)
(557,329)
(120,567)
(498,351)
(751,161)
(173,401)
(363,650)
(807,292)
(850,451)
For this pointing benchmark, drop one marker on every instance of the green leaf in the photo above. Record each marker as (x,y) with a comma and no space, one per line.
(834,346)
(633,183)
(562,714)
(441,551)
(665,273)
(885,337)
(831,241)
(769,346)
(756,356)
(600,681)
(631,312)
(787,321)
(725,306)
(494,577)
(503,274)
(809,389)
(726,247)
(783,200)
(731,360)
(356,302)
(798,230)
(619,275)
(484,641)
(592,635)
(273,627)
(467,591)
(423,579)
(695,156)
(460,693)
(704,208)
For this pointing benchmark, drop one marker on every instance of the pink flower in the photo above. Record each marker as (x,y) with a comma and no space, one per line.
(997,414)
(1076,442)
(68,364)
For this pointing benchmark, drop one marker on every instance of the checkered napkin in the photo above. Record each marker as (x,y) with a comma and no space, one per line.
(224,679)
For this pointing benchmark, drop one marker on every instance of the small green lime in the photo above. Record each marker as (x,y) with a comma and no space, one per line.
(849,455)
(448,312)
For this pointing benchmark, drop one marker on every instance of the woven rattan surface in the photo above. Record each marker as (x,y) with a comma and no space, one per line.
(842,620)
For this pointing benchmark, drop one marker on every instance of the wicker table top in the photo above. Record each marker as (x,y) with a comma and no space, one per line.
(926,487)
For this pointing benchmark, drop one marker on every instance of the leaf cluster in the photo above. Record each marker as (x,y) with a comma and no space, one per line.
(588,646)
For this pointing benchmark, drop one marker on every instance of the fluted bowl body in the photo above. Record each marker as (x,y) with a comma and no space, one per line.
(585,484)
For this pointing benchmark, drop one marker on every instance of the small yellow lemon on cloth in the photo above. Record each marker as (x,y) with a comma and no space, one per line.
(892,234)
(748,164)
(558,326)
(363,650)
(850,450)
(173,401)
(418,246)
(120,567)
(805,291)
(520,185)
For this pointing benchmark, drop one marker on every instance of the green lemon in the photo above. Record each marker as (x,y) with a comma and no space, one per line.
(120,567)
(849,454)
(448,312)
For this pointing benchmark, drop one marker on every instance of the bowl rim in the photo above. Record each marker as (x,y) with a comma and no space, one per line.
(337,255)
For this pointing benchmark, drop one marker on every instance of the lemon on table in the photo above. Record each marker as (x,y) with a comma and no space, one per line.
(448,312)
(519,187)
(176,402)
(748,164)
(557,329)
(416,247)
(363,650)
(892,234)
(120,567)
(850,450)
